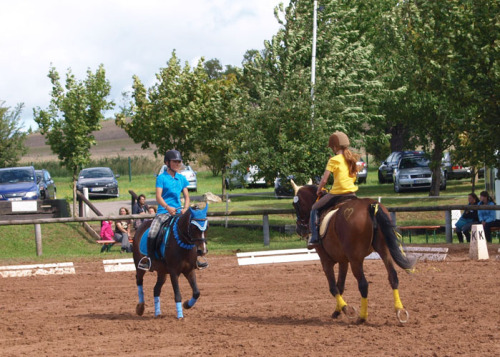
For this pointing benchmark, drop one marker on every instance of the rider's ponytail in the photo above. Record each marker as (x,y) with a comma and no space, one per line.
(351,160)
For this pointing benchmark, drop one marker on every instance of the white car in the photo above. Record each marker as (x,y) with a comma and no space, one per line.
(249,178)
(188,173)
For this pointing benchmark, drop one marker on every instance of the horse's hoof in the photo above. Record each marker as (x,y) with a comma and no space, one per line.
(335,314)
(360,321)
(350,312)
(403,315)
(180,319)
(160,316)
(185,304)
(139,309)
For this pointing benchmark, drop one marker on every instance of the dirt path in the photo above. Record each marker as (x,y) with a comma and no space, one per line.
(264,310)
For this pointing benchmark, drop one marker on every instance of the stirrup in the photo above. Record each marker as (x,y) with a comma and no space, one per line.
(144,264)
(202,265)
(312,245)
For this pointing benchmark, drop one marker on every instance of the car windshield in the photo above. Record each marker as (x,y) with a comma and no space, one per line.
(413,162)
(95,173)
(16,175)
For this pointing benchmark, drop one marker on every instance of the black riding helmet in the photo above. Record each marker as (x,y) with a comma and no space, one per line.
(172,155)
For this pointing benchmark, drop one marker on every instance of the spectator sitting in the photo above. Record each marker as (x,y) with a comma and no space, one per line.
(122,231)
(487,217)
(467,219)
(140,207)
(106,234)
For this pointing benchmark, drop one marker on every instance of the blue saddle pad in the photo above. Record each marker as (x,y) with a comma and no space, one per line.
(143,245)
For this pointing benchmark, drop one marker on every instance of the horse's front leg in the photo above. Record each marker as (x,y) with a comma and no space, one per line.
(191,277)
(174,278)
(157,291)
(327,263)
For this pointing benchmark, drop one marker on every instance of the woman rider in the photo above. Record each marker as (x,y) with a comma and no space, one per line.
(169,186)
(343,167)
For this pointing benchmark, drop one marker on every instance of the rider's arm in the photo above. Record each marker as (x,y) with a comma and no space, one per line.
(187,200)
(162,202)
(324,180)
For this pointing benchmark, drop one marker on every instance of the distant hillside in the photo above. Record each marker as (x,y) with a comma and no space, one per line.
(111,141)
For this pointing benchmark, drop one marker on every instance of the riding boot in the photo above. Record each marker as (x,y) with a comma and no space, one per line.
(314,238)
(460,237)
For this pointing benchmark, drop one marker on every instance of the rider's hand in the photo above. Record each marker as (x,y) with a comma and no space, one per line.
(184,210)
(171,210)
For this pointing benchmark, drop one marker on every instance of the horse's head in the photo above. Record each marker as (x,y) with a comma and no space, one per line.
(304,198)
(198,224)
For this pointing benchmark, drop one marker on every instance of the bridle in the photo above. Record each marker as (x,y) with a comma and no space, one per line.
(185,240)
(302,222)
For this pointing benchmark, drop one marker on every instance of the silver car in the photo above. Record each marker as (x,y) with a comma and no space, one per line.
(413,173)
(188,173)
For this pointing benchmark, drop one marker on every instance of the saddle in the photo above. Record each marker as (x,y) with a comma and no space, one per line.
(160,241)
(330,213)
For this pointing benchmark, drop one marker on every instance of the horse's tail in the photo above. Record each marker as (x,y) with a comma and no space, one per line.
(383,222)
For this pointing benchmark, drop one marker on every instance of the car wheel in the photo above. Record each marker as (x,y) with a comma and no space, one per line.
(397,188)
(380,178)
(442,187)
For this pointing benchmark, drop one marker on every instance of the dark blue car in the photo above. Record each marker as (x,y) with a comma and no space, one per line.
(18,183)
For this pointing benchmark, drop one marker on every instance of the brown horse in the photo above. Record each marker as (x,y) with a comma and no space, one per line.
(358,227)
(185,242)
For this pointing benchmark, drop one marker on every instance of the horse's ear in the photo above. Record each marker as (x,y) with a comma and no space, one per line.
(294,186)
(310,182)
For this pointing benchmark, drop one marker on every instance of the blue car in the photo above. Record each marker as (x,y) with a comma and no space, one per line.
(18,183)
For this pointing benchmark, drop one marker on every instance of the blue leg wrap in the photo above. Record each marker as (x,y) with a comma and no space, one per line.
(157,306)
(140,292)
(178,306)
(192,301)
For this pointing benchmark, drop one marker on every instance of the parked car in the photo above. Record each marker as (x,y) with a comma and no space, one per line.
(454,171)
(249,178)
(283,188)
(46,185)
(387,167)
(413,172)
(101,182)
(363,173)
(18,183)
(188,173)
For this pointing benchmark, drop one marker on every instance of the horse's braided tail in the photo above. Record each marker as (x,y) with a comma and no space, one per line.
(393,243)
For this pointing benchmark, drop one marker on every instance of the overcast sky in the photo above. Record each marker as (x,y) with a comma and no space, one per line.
(129,37)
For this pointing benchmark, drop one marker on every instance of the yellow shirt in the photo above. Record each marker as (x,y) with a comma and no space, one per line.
(342,182)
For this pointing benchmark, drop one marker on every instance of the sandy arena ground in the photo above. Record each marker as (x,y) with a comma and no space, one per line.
(265,310)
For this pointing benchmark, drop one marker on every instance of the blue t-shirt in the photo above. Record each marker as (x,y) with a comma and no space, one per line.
(172,189)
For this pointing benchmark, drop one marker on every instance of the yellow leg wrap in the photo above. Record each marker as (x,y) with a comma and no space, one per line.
(363,313)
(340,303)
(398,305)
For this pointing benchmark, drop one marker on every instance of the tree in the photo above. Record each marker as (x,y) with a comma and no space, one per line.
(166,114)
(287,134)
(75,111)
(12,139)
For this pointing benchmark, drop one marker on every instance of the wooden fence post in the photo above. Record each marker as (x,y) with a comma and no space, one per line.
(447,227)
(393,218)
(265,228)
(38,239)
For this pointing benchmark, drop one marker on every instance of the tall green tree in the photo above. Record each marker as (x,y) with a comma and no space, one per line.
(12,137)
(75,111)
(290,128)
(166,114)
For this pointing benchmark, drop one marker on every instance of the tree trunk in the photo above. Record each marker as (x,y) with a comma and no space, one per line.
(224,188)
(436,157)
(398,137)
(74,194)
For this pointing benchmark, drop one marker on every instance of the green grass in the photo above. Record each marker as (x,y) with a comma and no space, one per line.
(70,241)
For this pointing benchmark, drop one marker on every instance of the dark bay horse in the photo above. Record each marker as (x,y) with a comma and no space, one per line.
(356,229)
(186,240)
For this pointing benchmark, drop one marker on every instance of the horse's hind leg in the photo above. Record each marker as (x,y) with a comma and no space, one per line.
(191,277)
(139,279)
(401,312)
(357,270)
